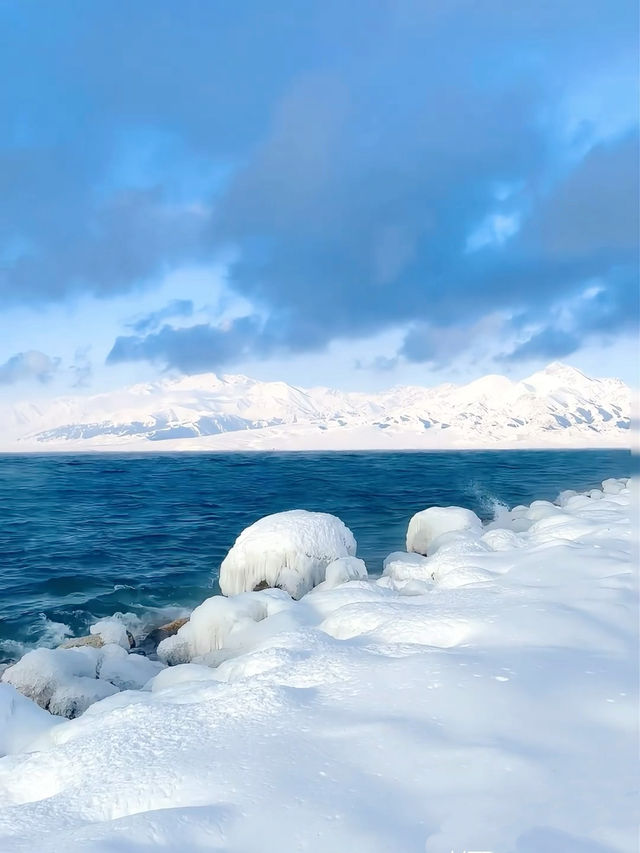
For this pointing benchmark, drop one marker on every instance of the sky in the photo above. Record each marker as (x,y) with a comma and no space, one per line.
(354,194)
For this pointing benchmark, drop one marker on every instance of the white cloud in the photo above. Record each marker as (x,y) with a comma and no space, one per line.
(31,364)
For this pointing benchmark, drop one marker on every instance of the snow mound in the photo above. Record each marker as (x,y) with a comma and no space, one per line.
(426,527)
(21,721)
(63,681)
(219,623)
(73,696)
(502,539)
(343,570)
(126,671)
(289,550)
(613,486)
(41,672)
(402,566)
(184,673)
(67,681)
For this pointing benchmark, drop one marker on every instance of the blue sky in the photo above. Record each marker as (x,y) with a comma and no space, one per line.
(353,194)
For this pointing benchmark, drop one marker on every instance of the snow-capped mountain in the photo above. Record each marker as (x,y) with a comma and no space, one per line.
(558,406)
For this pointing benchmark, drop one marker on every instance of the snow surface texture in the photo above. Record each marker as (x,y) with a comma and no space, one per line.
(289,550)
(483,698)
(558,406)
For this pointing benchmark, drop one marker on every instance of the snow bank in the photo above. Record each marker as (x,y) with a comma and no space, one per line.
(427,528)
(481,698)
(290,550)
(21,721)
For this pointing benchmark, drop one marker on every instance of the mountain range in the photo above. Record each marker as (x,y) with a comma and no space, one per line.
(556,407)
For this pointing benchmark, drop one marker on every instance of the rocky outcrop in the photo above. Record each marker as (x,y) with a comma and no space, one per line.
(155,637)
(93,640)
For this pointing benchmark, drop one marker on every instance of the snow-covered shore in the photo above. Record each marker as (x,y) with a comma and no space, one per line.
(481,698)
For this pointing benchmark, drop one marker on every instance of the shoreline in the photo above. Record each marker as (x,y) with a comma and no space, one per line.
(461,695)
(144,450)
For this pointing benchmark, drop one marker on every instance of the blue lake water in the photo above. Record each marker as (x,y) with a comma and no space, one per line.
(82,537)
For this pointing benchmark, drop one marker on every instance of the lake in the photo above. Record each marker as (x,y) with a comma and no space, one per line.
(82,537)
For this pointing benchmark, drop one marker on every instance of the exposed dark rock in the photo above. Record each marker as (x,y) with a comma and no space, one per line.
(153,638)
(94,640)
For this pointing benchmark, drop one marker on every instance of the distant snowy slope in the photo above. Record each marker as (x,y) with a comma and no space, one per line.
(556,406)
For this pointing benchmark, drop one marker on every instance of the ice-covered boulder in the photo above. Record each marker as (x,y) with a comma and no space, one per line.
(564,496)
(545,509)
(125,671)
(63,681)
(150,643)
(613,486)
(113,631)
(73,696)
(502,539)
(343,570)
(220,622)
(67,681)
(21,721)
(289,550)
(402,566)
(428,526)
(41,672)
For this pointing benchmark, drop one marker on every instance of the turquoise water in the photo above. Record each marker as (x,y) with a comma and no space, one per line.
(82,537)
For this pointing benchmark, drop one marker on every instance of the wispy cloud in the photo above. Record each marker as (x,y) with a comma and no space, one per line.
(31,364)
(150,322)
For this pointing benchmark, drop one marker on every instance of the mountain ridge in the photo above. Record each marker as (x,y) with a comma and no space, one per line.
(558,405)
